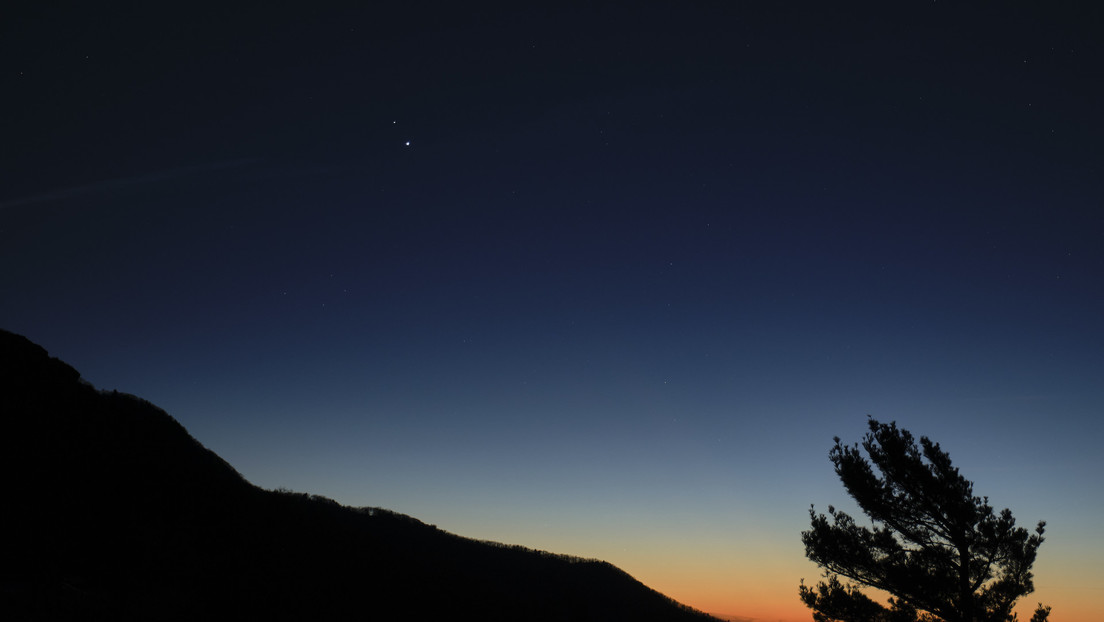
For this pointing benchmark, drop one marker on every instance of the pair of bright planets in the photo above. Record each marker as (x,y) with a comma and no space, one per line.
(406,143)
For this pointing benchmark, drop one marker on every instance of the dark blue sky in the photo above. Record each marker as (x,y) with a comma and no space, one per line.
(604,280)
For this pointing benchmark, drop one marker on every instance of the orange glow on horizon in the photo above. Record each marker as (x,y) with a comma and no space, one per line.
(768,596)
(753,572)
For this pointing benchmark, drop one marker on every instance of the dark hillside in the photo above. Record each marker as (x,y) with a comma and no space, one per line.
(115,511)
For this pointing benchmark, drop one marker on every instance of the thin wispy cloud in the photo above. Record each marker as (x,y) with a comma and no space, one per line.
(121,183)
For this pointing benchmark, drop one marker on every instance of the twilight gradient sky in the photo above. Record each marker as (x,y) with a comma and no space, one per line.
(599,279)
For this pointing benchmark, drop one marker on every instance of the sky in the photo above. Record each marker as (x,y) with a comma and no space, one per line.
(603,279)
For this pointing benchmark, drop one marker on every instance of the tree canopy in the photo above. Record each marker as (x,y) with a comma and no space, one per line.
(943,554)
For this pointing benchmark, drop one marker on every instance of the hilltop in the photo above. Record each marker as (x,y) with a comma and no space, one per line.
(117,512)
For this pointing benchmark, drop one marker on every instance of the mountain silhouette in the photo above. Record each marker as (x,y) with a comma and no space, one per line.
(116,512)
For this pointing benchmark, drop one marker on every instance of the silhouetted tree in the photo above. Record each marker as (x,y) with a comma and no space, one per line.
(942,553)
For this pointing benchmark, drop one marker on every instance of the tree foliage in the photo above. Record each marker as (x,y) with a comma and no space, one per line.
(942,553)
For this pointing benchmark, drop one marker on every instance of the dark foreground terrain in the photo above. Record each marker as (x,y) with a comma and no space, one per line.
(115,512)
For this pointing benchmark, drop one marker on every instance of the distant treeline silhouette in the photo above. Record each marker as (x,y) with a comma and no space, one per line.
(116,512)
